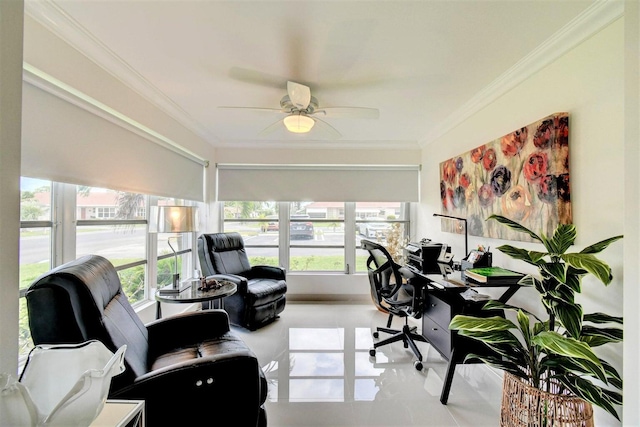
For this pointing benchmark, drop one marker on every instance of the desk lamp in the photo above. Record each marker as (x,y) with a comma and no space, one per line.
(466,237)
(175,219)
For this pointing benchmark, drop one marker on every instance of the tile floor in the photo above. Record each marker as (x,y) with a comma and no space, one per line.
(316,358)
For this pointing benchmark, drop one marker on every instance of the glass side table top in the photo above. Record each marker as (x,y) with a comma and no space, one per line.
(192,294)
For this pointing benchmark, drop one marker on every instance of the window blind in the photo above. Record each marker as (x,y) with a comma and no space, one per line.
(337,183)
(66,139)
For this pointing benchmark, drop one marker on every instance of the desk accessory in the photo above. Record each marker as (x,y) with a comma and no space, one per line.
(496,275)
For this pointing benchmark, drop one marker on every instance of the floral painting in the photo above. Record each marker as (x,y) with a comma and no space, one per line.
(523,175)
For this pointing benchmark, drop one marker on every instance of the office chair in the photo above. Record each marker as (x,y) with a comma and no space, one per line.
(399,298)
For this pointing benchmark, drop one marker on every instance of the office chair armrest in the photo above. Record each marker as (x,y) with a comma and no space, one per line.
(266,272)
(240,281)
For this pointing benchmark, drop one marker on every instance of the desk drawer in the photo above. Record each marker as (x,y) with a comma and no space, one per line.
(438,337)
(437,310)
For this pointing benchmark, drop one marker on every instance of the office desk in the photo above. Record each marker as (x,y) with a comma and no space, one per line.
(444,299)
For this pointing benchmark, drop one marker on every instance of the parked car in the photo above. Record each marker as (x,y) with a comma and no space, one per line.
(374,229)
(300,229)
(270,226)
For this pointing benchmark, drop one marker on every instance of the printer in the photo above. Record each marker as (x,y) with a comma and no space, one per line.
(427,257)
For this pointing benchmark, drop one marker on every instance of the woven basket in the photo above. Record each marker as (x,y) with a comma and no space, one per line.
(527,406)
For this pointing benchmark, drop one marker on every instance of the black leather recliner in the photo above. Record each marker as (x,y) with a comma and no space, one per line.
(262,289)
(189,369)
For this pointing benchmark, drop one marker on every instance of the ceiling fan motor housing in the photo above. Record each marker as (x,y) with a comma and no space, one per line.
(288,107)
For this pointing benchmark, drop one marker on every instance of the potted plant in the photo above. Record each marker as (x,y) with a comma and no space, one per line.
(551,357)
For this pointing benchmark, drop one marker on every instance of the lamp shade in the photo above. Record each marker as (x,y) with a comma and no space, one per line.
(298,123)
(174,219)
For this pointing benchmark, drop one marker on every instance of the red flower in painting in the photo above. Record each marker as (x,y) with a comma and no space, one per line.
(465,180)
(447,199)
(449,171)
(544,134)
(477,154)
(535,166)
(489,159)
(512,144)
(485,195)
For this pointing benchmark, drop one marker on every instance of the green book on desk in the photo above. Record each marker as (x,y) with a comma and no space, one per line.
(496,275)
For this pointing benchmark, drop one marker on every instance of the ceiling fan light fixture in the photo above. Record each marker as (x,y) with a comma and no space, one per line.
(298,123)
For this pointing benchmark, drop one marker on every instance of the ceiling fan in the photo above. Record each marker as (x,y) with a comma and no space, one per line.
(302,110)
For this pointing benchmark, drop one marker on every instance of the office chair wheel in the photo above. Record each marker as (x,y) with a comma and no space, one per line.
(376,334)
(418,365)
(372,352)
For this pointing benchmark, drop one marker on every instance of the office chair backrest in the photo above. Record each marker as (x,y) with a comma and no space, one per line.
(384,275)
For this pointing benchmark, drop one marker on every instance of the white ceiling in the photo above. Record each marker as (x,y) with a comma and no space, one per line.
(419,62)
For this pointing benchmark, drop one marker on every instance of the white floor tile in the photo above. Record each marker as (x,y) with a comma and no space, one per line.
(316,357)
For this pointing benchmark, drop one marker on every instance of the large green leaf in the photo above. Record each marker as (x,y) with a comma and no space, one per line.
(569,347)
(524,322)
(602,318)
(595,336)
(593,265)
(592,393)
(600,246)
(514,226)
(558,270)
(498,363)
(563,237)
(480,324)
(518,253)
(570,317)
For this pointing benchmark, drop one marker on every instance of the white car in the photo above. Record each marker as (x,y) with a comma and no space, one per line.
(374,229)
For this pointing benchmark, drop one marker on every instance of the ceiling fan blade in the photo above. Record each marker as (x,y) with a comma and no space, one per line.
(299,94)
(271,128)
(349,112)
(327,128)
(277,110)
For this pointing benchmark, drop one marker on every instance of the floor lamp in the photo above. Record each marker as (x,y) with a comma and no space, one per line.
(175,219)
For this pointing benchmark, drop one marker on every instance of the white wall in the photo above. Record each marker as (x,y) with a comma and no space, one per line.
(587,82)
(11,14)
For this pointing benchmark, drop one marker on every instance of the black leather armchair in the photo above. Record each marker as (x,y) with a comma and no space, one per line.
(189,369)
(262,289)
(393,294)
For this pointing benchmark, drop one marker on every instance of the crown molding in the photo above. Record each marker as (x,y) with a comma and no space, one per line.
(327,145)
(60,23)
(576,31)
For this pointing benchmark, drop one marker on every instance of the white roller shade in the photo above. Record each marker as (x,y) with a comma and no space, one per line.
(336,183)
(63,142)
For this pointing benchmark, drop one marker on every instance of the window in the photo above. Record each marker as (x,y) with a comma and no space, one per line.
(63,222)
(108,225)
(312,236)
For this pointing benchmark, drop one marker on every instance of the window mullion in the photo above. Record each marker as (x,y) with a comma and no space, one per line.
(350,237)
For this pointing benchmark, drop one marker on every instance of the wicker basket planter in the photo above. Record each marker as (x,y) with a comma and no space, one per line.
(527,406)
